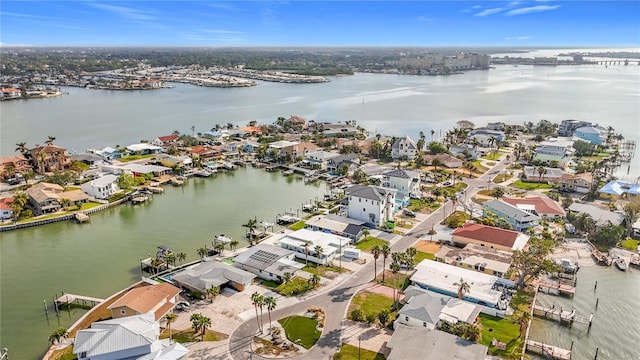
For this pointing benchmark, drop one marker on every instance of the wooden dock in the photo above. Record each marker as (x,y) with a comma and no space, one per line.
(556,289)
(601,258)
(81,217)
(553,313)
(139,199)
(68,299)
(548,351)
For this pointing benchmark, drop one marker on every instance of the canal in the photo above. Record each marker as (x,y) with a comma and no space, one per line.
(102,256)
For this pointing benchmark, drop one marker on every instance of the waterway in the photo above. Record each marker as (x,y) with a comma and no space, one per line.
(98,258)
(102,256)
(616,320)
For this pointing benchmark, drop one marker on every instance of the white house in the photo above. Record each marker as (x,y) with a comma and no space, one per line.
(303,243)
(405,181)
(371,204)
(320,158)
(6,213)
(101,188)
(268,262)
(133,337)
(404,148)
(555,149)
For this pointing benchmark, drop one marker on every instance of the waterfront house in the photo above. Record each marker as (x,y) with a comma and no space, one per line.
(205,152)
(567,127)
(11,93)
(250,146)
(538,205)
(319,159)
(279,145)
(183,161)
(555,149)
(445,159)
(44,198)
(158,299)
(351,161)
(301,149)
(166,141)
(250,130)
(268,262)
(599,215)
(489,236)
(50,158)
(6,212)
(142,169)
(518,219)
(405,181)
(303,243)
(426,309)
(361,146)
(89,159)
(213,273)
(465,151)
(372,204)
(143,149)
(484,136)
(133,337)
(444,279)
(19,163)
(591,134)
(296,123)
(337,225)
(580,183)
(404,149)
(476,257)
(549,174)
(414,343)
(108,153)
(339,130)
(102,187)
(616,189)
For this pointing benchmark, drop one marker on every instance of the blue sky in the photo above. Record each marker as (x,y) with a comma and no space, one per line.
(320,23)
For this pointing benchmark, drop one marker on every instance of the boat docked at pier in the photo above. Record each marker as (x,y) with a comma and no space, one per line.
(222,239)
(601,259)
(635,261)
(621,264)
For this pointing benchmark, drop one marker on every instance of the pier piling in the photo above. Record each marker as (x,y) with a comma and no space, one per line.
(596,357)
(45,307)
(595,286)
(597,301)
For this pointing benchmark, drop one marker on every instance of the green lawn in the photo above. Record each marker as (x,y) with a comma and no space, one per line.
(350,352)
(398,280)
(134,157)
(421,255)
(367,243)
(492,156)
(297,226)
(502,178)
(188,336)
(522,301)
(524,185)
(479,167)
(328,271)
(630,244)
(370,303)
(294,287)
(456,219)
(501,329)
(301,330)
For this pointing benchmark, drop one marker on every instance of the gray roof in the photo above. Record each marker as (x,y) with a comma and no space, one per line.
(261,256)
(414,343)
(406,140)
(104,180)
(110,336)
(212,273)
(532,171)
(343,157)
(510,210)
(423,305)
(403,174)
(376,193)
(600,216)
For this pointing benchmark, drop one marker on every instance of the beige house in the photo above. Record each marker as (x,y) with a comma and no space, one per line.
(49,158)
(156,299)
(580,183)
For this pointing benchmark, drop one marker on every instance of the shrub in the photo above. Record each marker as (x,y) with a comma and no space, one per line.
(357,315)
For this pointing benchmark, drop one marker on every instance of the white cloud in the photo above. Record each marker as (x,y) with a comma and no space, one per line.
(423,18)
(518,38)
(125,12)
(469,9)
(532,9)
(488,12)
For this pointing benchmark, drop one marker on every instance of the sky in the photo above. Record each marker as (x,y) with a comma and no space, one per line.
(319,23)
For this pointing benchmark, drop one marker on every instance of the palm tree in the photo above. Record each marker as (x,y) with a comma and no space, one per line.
(306,252)
(256,299)
(463,288)
(234,244)
(314,280)
(41,158)
(395,268)
(212,292)
(498,192)
(220,248)
(170,258)
(318,250)
(286,277)
(375,251)
(50,140)
(202,252)
(58,334)
(181,257)
(385,251)
(251,224)
(271,304)
(195,322)
(542,171)
(170,317)
(205,322)
(21,147)
(523,321)
(365,233)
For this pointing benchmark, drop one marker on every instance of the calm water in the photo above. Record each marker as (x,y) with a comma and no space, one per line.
(616,321)
(101,257)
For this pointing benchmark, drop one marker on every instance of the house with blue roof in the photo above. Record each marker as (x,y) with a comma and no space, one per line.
(616,189)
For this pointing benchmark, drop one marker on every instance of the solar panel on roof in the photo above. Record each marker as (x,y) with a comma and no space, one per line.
(263,256)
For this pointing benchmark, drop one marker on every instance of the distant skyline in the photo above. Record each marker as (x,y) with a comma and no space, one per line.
(320,23)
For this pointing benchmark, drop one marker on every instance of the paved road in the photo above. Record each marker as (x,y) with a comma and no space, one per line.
(335,300)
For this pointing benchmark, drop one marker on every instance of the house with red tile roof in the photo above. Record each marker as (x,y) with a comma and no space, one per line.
(19,163)
(205,152)
(49,158)
(253,130)
(538,205)
(6,212)
(11,93)
(489,236)
(157,299)
(300,149)
(166,140)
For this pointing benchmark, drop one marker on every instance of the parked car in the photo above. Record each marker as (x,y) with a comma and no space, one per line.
(409,213)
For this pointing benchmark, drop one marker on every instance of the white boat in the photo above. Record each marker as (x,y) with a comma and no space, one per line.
(221,239)
(287,172)
(621,264)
